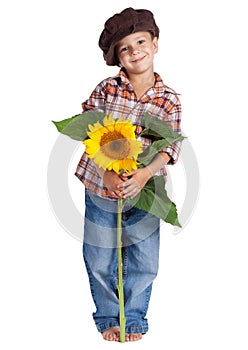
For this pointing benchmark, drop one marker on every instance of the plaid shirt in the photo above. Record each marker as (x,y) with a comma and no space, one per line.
(116,96)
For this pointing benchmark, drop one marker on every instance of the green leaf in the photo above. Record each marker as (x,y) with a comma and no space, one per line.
(153,198)
(161,134)
(62,124)
(76,127)
(159,129)
(146,157)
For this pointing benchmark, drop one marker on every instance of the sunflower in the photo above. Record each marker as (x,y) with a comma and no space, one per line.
(113,145)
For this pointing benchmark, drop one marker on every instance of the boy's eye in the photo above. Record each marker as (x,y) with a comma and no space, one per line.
(140,42)
(124,49)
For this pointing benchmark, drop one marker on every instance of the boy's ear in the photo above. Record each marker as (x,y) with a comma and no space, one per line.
(155,44)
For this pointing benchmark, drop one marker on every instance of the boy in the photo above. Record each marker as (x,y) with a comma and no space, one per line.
(129,40)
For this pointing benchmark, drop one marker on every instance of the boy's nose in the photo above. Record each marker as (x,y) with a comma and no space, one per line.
(134,50)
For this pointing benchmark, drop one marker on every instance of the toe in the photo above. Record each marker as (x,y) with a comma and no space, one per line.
(135,337)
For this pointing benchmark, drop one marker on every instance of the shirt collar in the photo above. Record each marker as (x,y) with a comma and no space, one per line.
(157,90)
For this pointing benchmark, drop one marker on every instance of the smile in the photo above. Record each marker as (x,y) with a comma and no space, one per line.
(138,59)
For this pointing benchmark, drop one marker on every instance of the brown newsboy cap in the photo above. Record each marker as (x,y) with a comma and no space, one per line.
(122,24)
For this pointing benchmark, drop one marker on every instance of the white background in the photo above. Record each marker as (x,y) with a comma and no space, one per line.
(50,62)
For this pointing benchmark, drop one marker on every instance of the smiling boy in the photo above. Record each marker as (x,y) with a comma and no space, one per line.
(136,52)
(130,41)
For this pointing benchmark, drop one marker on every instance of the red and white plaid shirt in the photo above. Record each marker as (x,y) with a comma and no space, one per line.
(116,96)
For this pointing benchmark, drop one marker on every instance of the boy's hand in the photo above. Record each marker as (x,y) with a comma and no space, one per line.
(133,183)
(113,183)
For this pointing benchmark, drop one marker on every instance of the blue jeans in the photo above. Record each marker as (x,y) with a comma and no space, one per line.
(140,253)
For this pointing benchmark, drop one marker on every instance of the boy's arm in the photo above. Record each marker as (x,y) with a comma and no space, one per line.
(96,99)
(174,116)
(158,162)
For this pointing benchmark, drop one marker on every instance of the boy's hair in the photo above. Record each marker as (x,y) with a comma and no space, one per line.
(127,22)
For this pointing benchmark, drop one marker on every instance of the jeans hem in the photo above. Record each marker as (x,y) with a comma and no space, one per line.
(129,330)
(137,329)
(103,326)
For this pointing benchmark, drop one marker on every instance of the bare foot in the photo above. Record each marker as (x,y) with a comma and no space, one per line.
(134,337)
(112,334)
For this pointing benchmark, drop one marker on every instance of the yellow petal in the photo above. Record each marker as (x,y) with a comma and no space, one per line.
(95,126)
(91,147)
(108,119)
(116,166)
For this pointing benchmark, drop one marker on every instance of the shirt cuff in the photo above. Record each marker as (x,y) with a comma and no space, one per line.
(173,151)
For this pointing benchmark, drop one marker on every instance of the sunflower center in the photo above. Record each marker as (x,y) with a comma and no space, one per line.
(114,145)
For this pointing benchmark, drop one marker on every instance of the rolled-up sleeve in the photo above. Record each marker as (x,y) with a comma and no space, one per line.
(174,117)
(96,99)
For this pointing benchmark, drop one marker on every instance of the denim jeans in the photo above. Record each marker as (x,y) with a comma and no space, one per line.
(140,253)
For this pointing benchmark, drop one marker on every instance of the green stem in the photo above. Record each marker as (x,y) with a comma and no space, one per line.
(120,274)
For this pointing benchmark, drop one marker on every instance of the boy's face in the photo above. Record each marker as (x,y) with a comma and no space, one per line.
(136,51)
